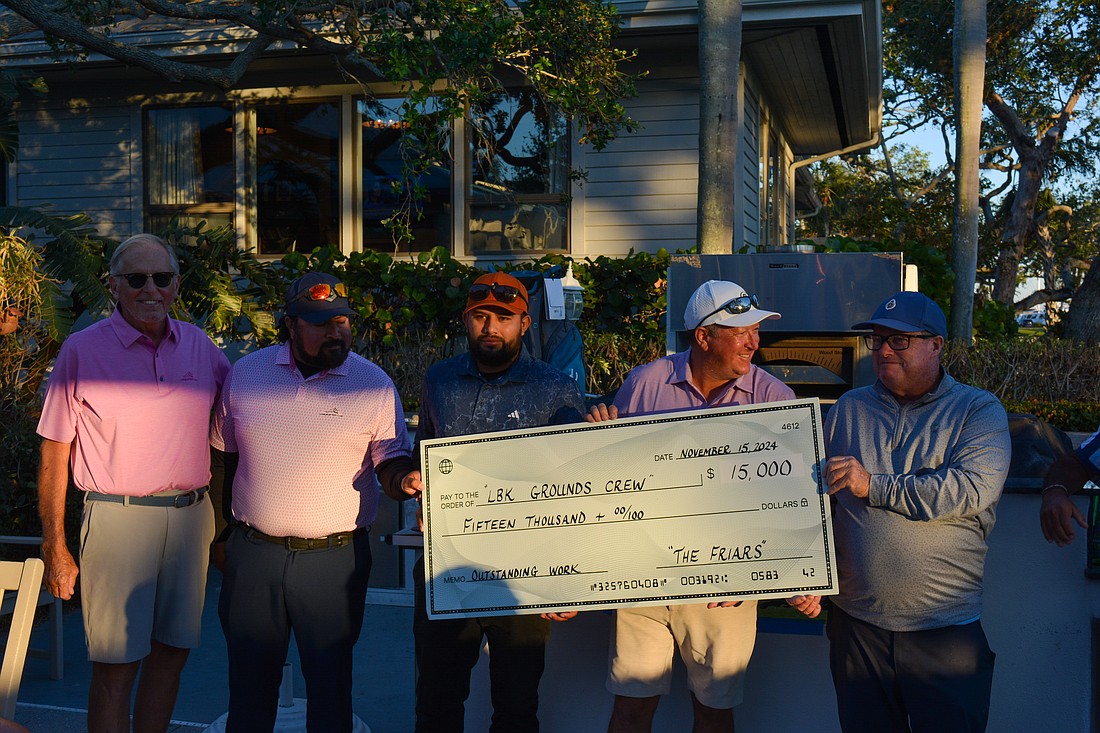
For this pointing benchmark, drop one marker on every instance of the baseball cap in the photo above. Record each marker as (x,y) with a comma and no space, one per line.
(908,311)
(725,304)
(497,290)
(317,297)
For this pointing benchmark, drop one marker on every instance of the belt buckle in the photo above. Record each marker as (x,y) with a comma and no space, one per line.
(187,500)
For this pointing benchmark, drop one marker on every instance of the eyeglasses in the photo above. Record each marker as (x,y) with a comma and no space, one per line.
(322,291)
(136,280)
(740,304)
(896,341)
(501,293)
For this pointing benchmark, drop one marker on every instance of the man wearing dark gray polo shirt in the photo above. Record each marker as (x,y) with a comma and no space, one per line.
(496,386)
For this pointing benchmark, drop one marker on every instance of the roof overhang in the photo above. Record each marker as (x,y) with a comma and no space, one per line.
(818,63)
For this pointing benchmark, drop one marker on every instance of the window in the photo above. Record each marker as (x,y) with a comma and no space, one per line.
(189,165)
(383,133)
(517,197)
(297,176)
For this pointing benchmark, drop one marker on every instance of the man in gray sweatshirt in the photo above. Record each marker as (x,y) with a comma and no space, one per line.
(916,466)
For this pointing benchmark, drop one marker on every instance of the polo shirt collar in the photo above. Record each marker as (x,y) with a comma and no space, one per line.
(681,375)
(284,357)
(128,335)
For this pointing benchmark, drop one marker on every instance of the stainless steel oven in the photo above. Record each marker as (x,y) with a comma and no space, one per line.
(812,347)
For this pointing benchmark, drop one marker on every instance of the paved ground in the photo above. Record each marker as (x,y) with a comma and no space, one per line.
(383,694)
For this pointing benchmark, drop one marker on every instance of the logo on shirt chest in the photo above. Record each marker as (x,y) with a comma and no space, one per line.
(188,377)
(331,412)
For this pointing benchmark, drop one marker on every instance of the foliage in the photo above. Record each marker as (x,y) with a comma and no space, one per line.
(30,298)
(223,288)
(1045,369)
(870,197)
(1080,417)
(624,295)
(1041,62)
(610,356)
(994,321)
(12,85)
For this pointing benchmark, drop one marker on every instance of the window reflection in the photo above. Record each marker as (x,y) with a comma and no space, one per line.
(297,176)
(518,187)
(383,134)
(189,165)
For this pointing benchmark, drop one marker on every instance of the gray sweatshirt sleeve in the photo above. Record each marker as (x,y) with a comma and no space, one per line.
(967,451)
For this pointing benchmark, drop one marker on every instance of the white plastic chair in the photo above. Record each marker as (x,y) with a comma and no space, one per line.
(25,579)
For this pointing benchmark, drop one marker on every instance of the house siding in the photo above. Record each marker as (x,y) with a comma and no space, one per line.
(641,190)
(79,159)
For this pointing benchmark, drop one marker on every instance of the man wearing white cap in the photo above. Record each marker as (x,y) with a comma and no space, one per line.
(715,639)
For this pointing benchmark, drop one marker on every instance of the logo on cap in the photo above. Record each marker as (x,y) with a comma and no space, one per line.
(891,304)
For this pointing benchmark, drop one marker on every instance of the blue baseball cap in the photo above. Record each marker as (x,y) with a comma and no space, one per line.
(908,311)
(317,297)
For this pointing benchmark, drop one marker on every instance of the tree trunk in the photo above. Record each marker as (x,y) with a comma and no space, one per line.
(1084,311)
(719,126)
(969,51)
(1034,159)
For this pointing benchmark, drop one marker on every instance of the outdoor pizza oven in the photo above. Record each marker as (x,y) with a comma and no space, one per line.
(812,348)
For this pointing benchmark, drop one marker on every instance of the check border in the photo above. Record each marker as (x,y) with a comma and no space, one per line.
(826,586)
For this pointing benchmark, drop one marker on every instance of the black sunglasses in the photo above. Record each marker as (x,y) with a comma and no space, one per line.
(136,280)
(501,293)
(896,341)
(738,305)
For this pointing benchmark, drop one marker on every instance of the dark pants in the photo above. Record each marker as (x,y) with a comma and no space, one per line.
(935,681)
(269,591)
(448,649)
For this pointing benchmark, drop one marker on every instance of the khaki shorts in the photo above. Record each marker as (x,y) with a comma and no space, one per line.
(715,645)
(142,577)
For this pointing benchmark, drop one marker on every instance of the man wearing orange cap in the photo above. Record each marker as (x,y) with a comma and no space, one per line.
(495,386)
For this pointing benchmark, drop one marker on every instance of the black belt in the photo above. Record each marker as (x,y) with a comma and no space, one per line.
(178,501)
(338,539)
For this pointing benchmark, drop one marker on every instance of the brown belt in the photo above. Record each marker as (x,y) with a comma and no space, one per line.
(338,539)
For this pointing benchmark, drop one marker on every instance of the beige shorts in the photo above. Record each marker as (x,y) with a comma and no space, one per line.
(142,577)
(715,645)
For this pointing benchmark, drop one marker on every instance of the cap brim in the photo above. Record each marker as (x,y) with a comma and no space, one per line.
(740,320)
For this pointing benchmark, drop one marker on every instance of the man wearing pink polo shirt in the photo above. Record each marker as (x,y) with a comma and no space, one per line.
(302,428)
(715,640)
(128,407)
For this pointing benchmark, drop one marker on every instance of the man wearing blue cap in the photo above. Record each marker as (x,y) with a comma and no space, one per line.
(916,466)
(302,428)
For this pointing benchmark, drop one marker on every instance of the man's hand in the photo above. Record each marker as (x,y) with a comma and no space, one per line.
(61,571)
(1057,515)
(808,605)
(846,472)
(412,485)
(559,616)
(602,413)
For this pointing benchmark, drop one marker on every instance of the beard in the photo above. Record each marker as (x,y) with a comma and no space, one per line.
(498,354)
(329,355)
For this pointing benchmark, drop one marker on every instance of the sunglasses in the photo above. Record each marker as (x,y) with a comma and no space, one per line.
(740,304)
(322,291)
(501,293)
(136,280)
(896,341)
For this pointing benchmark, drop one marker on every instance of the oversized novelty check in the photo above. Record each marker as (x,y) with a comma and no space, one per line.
(683,507)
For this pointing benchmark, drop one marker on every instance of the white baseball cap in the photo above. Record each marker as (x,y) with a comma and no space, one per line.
(725,304)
